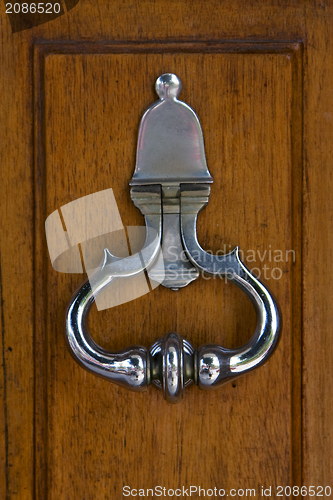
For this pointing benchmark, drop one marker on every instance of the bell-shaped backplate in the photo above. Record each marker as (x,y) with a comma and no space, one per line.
(170,144)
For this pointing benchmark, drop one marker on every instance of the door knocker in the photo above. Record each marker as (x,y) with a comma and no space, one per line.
(170,185)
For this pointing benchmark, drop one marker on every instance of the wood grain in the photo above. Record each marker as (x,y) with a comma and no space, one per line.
(62,435)
(16,276)
(206,311)
(317,248)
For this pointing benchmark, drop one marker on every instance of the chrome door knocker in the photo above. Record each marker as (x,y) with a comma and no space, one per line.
(170,185)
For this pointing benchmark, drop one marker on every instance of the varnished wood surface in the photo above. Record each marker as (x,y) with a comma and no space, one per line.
(207,311)
(264,106)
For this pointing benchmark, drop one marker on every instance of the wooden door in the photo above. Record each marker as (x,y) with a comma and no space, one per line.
(73,90)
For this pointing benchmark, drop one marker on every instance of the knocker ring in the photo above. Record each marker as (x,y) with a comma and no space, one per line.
(170,185)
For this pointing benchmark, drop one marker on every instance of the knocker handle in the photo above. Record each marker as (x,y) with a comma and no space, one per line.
(216,364)
(129,367)
(172,363)
(170,185)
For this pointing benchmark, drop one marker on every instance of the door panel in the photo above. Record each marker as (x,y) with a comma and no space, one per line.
(92,105)
(74,90)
